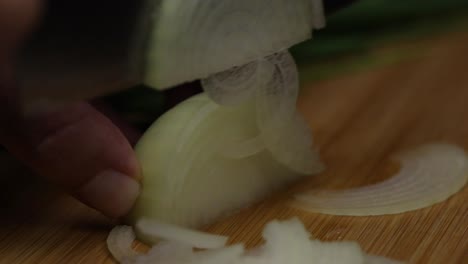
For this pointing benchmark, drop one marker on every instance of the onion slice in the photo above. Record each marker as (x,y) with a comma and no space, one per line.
(289,242)
(284,131)
(429,174)
(154,231)
(200,144)
(120,241)
(277,96)
(189,40)
(274,83)
(234,86)
(244,149)
(285,242)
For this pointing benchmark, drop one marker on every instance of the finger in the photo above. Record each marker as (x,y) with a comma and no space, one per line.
(75,147)
(79,149)
(129,131)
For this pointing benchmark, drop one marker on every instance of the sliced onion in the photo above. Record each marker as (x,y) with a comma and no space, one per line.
(286,242)
(429,174)
(274,82)
(119,242)
(154,231)
(277,96)
(290,242)
(244,149)
(191,40)
(292,145)
(177,169)
(167,249)
(233,86)
(201,161)
(282,128)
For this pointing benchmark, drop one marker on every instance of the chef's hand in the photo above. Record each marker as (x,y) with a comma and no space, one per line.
(76,147)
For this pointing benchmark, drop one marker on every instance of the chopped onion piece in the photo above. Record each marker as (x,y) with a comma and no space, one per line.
(429,174)
(234,86)
(283,129)
(277,95)
(154,231)
(170,248)
(292,145)
(274,82)
(286,242)
(244,149)
(290,242)
(120,241)
(201,161)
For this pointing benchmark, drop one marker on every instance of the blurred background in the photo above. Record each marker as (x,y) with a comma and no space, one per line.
(353,34)
(365,35)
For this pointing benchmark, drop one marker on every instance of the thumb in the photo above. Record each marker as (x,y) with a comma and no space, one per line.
(79,149)
(75,147)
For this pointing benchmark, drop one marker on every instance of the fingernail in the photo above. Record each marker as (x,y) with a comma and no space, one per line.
(111,193)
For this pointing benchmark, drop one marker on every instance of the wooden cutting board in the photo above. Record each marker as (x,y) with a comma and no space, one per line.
(359,120)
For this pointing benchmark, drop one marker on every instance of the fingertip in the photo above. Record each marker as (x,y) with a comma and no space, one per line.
(78,148)
(110,192)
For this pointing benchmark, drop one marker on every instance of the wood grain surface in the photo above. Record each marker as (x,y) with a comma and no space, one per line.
(359,120)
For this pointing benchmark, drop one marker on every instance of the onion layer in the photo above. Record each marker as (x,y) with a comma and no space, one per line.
(201,161)
(286,242)
(429,174)
(236,85)
(282,128)
(155,230)
(191,40)
(119,242)
(273,83)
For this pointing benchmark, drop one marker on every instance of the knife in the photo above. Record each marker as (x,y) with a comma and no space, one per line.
(84,49)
